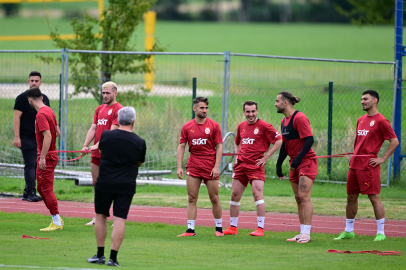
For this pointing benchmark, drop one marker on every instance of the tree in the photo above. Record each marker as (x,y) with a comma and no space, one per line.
(111,33)
(370,11)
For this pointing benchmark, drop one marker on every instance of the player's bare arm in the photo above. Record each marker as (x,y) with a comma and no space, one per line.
(394,142)
(17,119)
(281,158)
(89,138)
(113,127)
(45,147)
(179,158)
(57,131)
(219,154)
(261,162)
(237,150)
(140,164)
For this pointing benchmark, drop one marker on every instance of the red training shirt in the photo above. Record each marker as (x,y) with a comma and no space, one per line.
(293,147)
(372,131)
(46,120)
(256,139)
(104,117)
(202,140)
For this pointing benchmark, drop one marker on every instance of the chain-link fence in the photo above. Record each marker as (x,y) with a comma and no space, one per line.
(227,79)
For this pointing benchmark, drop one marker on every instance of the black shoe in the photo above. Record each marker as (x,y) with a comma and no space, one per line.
(32,197)
(111,263)
(25,196)
(96,259)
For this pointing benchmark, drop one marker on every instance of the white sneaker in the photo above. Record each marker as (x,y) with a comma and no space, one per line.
(294,239)
(92,222)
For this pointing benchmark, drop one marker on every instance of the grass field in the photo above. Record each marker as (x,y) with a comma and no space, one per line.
(155,246)
(328,199)
(302,40)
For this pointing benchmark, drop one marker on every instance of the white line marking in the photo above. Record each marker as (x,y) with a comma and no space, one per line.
(42,267)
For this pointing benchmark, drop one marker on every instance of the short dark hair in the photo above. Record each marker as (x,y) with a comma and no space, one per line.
(288,96)
(34,93)
(34,73)
(372,93)
(200,99)
(249,103)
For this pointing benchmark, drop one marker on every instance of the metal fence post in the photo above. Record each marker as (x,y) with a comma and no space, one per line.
(65,132)
(330,125)
(395,88)
(399,53)
(61,83)
(194,95)
(226,85)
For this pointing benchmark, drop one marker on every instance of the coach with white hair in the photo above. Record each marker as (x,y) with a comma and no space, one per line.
(122,152)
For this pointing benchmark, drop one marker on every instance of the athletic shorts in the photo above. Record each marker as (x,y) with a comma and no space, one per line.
(308,168)
(121,205)
(364,182)
(246,173)
(95,161)
(200,173)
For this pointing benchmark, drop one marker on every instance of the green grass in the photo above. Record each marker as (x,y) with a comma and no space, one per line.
(303,40)
(328,199)
(155,246)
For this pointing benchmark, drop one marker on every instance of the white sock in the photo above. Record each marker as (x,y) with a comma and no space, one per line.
(301,228)
(219,222)
(306,229)
(261,221)
(381,225)
(191,224)
(234,221)
(56,220)
(349,225)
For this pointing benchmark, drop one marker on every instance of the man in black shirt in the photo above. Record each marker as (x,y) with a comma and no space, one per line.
(24,132)
(122,152)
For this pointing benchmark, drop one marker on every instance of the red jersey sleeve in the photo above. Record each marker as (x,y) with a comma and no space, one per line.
(96,115)
(218,138)
(42,122)
(387,130)
(302,124)
(271,134)
(183,135)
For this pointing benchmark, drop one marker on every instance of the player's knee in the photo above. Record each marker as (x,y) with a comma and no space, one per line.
(303,197)
(215,199)
(192,198)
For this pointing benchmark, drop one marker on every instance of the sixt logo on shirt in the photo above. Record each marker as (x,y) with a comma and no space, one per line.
(199,141)
(363,132)
(102,122)
(248,141)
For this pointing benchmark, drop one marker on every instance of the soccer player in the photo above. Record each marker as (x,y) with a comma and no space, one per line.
(105,118)
(253,139)
(24,132)
(46,132)
(203,136)
(122,152)
(297,139)
(364,174)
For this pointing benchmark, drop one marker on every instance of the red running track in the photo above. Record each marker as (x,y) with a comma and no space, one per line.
(177,216)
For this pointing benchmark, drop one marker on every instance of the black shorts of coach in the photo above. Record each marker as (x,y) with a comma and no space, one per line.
(121,203)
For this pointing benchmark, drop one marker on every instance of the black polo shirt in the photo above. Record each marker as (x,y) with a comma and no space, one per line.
(27,121)
(120,153)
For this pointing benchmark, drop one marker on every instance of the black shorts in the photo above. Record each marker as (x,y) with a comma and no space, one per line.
(103,201)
